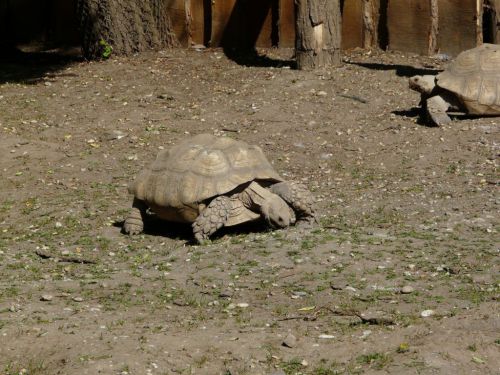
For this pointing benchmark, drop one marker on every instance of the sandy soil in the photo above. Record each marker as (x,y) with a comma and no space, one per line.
(399,277)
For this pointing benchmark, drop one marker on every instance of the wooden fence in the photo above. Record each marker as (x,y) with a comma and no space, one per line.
(420,26)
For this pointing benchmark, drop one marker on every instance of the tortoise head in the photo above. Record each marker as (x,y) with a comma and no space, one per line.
(422,84)
(277,212)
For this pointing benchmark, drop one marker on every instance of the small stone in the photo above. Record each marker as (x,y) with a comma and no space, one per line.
(407,289)
(350,288)
(326,337)
(226,293)
(77,299)
(426,313)
(290,341)
(242,305)
(46,297)
(321,93)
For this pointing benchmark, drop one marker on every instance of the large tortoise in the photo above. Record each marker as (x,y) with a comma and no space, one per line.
(213,182)
(470,84)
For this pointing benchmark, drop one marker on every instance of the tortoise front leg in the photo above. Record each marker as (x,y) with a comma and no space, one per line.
(436,110)
(134,223)
(298,197)
(212,218)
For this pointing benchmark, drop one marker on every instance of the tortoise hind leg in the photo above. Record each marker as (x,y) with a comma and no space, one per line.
(134,223)
(299,198)
(212,218)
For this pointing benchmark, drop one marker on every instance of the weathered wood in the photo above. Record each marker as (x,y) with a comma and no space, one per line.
(352,24)
(241,24)
(496,23)
(479,21)
(434,27)
(409,25)
(457,26)
(287,24)
(181,19)
(370,23)
(318,33)
(496,4)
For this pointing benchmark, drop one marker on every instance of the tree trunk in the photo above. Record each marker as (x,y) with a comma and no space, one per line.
(123,26)
(318,33)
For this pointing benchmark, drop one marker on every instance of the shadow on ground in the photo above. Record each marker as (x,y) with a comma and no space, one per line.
(184,232)
(401,70)
(17,66)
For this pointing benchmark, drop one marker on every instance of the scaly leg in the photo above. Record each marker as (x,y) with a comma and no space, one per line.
(436,110)
(212,218)
(299,198)
(134,223)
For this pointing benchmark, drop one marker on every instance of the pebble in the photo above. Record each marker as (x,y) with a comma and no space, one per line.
(46,297)
(226,293)
(407,289)
(324,336)
(350,288)
(321,93)
(426,313)
(242,305)
(78,299)
(290,341)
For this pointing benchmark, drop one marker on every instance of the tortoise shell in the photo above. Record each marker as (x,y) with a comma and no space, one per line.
(474,76)
(200,168)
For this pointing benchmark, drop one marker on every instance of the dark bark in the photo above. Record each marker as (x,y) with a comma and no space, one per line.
(126,26)
(318,33)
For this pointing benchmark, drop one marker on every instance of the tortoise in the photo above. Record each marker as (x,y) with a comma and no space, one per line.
(470,84)
(214,182)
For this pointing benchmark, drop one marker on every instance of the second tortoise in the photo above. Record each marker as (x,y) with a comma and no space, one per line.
(470,84)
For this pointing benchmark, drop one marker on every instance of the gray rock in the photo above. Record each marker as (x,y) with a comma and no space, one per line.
(290,341)
(407,289)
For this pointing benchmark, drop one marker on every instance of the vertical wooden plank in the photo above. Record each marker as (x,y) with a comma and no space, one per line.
(221,13)
(496,38)
(457,26)
(197,27)
(409,25)
(371,9)
(479,22)
(434,29)
(259,18)
(287,24)
(241,23)
(352,24)
(177,11)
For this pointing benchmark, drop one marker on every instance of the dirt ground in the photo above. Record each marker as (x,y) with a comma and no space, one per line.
(399,277)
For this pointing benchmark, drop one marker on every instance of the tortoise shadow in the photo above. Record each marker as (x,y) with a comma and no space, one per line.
(183,232)
(401,70)
(421,120)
